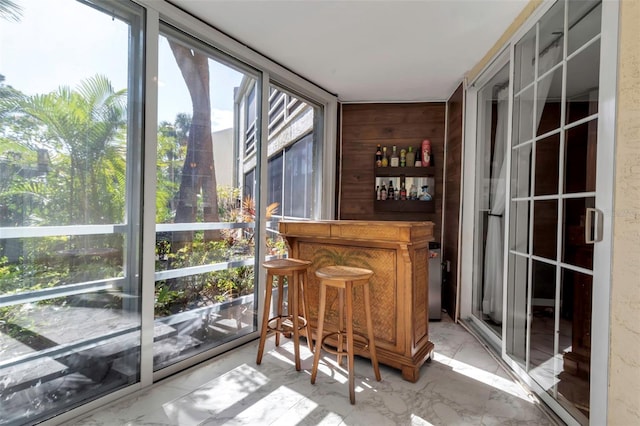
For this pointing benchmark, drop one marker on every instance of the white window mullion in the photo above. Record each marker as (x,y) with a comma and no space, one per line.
(149,197)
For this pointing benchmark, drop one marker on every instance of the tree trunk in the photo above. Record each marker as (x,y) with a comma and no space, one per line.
(198,172)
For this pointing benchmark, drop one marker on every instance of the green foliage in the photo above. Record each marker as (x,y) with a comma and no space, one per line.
(165,299)
(84,129)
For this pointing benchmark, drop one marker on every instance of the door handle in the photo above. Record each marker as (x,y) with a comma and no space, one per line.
(593,226)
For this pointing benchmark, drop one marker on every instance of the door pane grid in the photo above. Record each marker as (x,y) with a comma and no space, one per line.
(553,174)
(556,197)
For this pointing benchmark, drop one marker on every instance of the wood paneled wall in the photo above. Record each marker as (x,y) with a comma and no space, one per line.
(453,183)
(366,125)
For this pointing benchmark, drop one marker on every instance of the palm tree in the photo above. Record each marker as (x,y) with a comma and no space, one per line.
(86,124)
(198,172)
(10,11)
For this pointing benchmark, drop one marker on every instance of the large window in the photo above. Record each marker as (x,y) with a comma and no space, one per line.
(70,139)
(101,289)
(204,281)
(298,179)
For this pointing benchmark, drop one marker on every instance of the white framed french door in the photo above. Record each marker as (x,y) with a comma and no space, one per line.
(537,281)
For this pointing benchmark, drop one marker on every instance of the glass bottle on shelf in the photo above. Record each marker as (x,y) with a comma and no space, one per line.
(383,192)
(395,160)
(403,157)
(403,192)
(413,192)
(379,156)
(425,196)
(390,191)
(377,192)
(396,194)
(385,160)
(426,153)
(418,163)
(411,157)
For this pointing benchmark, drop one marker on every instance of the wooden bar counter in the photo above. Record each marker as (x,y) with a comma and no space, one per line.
(398,254)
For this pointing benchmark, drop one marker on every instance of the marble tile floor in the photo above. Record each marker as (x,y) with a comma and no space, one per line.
(462,385)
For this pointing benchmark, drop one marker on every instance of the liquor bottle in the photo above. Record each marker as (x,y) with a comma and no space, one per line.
(385,159)
(426,153)
(377,192)
(396,194)
(390,191)
(403,192)
(418,163)
(379,157)
(403,157)
(411,157)
(383,192)
(413,192)
(395,160)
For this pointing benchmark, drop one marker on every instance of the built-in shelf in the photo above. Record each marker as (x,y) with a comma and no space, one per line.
(407,206)
(404,171)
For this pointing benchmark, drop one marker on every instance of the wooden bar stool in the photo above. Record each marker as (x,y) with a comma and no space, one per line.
(345,279)
(294,320)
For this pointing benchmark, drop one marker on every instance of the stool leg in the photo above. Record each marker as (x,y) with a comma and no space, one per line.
(279,308)
(319,330)
(349,293)
(265,318)
(292,311)
(372,342)
(341,328)
(303,283)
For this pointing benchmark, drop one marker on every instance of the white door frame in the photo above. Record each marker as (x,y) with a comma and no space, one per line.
(602,262)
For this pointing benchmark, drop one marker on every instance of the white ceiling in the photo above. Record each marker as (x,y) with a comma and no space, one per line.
(377,51)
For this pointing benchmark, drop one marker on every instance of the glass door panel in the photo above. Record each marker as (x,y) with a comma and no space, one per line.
(517,311)
(580,159)
(205,225)
(582,90)
(548,102)
(522,118)
(69,194)
(491,170)
(545,228)
(543,324)
(584,22)
(574,352)
(550,37)
(553,179)
(519,227)
(521,170)
(547,165)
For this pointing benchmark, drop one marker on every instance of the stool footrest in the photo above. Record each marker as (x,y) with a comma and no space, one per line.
(286,326)
(341,335)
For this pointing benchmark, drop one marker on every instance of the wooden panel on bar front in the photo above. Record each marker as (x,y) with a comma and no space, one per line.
(397,253)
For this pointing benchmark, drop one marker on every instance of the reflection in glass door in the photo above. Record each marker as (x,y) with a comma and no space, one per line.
(553,175)
(70,306)
(491,174)
(205,224)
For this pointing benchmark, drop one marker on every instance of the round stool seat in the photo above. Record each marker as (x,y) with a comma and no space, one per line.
(344,273)
(285,266)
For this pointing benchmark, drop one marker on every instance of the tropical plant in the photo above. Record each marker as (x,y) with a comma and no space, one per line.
(86,124)
(10,11)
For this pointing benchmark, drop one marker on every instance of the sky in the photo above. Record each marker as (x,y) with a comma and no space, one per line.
(62,42)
